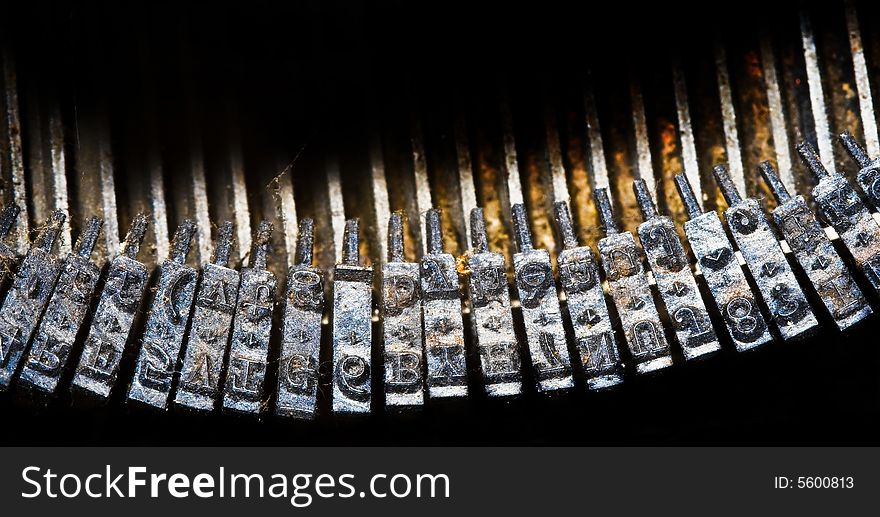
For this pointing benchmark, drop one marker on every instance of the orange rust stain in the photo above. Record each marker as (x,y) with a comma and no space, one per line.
(670,159)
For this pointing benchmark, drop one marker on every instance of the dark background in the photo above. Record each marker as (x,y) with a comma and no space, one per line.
(299,72)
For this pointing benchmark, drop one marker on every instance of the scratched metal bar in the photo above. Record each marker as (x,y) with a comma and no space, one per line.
(401,316)
(631,293)
(840,206)
(491,317)
(352,329)
(11,159)
(159,356)
(545,333)
(380,192)
(816,255)
(239,195)
(246,366)
(96,193)
(586,307)
(66,310)
(297,388)
(23,305)
(817,94)
(113,319)
(722,272)
(863,81)
(644,166)
(675,281)
(781,142)
(728,118)
(334,196)
(511,165)
(216,299)
(48,164)
(789,308)
(420,173)
(686,133)
(554,154)
(465,170)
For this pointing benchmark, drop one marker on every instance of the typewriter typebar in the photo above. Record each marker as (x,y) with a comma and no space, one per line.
(352,329)
(714,253)
(441,306)
(677,286)
(587,309)
(631,293)
(816,255)
(24,303)
(402,323)
(492,319)
(98,367)
(56,336)
(843,209)
(168,317)
(191,231)
(301,342)
(208,340)
(249,350)
(789,308)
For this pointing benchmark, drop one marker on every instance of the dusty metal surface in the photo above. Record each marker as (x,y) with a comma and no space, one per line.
(110,332)
(27,298)
(722,272)
(168,316)
(842,208)
(443,326)
(816,255)
(55,340)
(491,318)
(780,290)
(675,280)
(248,361)
(230,141)
(352,329)
(631,293)
(299,360)
(586,307)
(401,314)
(208,338)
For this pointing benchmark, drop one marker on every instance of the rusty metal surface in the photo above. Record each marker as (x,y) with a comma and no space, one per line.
(178,146)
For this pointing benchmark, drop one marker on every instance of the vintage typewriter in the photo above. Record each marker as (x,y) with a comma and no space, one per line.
(382,223)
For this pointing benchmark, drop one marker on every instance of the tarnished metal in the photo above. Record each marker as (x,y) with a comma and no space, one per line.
(249,349)
(816,254)
(27,298)
(588,312)
(668,261)
(631,293)
(55,338)
(301,334)
(868,176)
(545,333)
(352,328)
(159,357)
(789,309)
(401,324)
(491,317)
(109,333)
(725,278)
(841,207)
(444,328)
(215,301)
(8,257)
